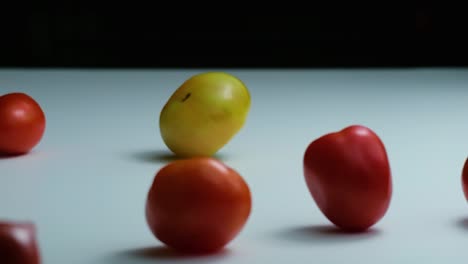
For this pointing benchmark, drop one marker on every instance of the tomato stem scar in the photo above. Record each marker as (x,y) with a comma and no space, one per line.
(186,97)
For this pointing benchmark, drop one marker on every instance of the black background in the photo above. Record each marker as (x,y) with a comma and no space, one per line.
(48,34)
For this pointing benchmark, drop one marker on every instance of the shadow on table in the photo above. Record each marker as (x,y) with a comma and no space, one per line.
(462,223)
(159,253)
(4,156)
(154,156)
(323,234)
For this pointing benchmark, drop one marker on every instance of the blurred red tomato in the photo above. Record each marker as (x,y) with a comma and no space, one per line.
(18,244)
(465,179)
(22,123)
(348,175)
(197,205)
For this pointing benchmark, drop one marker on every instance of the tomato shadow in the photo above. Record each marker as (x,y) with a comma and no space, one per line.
(323,234)
(13,156)
(146,254)
(462,223)
(157,156)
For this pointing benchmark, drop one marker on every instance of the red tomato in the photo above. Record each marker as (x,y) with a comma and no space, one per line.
(22,123)
(348,175)
(18,243)
(197,205)
(465,179)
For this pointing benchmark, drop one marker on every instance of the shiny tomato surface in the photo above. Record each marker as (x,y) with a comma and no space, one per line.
(22,123)
(348,175)
(197,205)
(18,243)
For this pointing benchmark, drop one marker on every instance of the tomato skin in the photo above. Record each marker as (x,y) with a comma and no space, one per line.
(197,205)
(22,123)
(465,179)
(18,243)
(348,175)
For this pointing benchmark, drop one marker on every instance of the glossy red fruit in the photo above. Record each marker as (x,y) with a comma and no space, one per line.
(197,205)
(18,244)
(465,179)
(348,175)
(22,123)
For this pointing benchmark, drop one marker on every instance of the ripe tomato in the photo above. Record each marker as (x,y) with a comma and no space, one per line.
(22,123)
(197,205)
(465,179)
(18,243)
(348,174)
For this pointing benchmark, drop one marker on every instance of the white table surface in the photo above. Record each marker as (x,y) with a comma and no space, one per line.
(85,184)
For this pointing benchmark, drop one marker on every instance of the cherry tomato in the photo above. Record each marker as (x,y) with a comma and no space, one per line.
(22,123)
(197,205)
(18,243)
(465,179)
(348,175)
